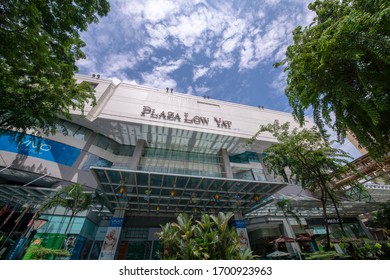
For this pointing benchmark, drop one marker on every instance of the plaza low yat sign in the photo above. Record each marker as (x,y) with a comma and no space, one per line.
(176,117)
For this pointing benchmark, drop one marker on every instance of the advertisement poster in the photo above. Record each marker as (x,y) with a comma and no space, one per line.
(111,239)
(41,148)
(242,234)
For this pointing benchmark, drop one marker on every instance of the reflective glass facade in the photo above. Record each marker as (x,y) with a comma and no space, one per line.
(180,162)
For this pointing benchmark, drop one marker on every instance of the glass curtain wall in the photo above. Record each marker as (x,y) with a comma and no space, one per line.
(180,162)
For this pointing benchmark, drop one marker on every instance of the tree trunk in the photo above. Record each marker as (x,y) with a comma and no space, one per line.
(337,213)
(323,201)
(327,190)
(66,230)
(70,221)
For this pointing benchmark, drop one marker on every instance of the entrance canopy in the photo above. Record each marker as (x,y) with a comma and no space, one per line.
(144,192)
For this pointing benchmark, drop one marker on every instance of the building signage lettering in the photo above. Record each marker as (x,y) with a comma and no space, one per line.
(331,220)
(172,116)
(42,146)
(334,221)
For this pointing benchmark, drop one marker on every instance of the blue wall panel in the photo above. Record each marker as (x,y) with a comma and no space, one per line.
(48,149)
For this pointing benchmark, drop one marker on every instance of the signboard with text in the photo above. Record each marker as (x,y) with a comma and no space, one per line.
(41,148)
(111,239)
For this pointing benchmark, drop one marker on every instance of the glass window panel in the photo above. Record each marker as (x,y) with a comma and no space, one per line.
(114,177)
(245,157)
(102,176)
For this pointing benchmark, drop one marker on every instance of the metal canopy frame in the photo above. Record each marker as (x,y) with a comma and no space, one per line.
(305,206)
(20,188)
(143,192)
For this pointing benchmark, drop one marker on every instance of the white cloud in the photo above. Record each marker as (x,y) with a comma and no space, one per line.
(120,62)
(190,90)
(86,63)
(199,71)
(144,53)
(230,44)
(222,61)
(201,90)
(156,10)
(170,66)
(247,53)
(263,46)
(158,34)
(212,37)
(158,80)
(140,10)
(280,53)
(235,27)
(190,27)
(160,75)
(272,2)
(103,39)
(279,84)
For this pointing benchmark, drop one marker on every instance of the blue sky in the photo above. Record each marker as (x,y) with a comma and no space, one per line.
(222,49)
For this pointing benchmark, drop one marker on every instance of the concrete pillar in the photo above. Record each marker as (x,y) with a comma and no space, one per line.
(85,149)
(138,151)
(268,176)
(225,164)
(365,229)
(290,233)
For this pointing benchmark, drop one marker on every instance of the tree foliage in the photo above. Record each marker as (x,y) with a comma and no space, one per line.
(382,217)
(307,157)
(40,44)
(72,198)
(41,253)
(339,66)
(209,238)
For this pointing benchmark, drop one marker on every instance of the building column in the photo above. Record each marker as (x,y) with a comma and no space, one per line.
(268,176)
(138,151)
(290,233)
(225,164)
(365,229)
(111,240)
(84,151)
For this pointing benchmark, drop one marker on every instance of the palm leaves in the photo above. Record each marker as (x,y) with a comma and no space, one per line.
(209,238)
(72,198)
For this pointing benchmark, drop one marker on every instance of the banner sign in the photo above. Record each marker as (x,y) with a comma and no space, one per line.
(41,148)
(111,239)
(239,224)
(242,234)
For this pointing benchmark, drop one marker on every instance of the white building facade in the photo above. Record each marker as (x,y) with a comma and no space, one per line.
(147,155)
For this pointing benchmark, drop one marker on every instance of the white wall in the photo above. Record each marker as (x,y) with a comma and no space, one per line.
(125,103)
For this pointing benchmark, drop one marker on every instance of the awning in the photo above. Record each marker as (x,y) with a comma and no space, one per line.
(145,192)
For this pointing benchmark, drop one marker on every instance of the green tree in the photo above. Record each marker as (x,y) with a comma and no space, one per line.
(209,238)
(285,205)
(40,44)
(228,244)
(339,67)
(382,217)
(305,156)
(72,198)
